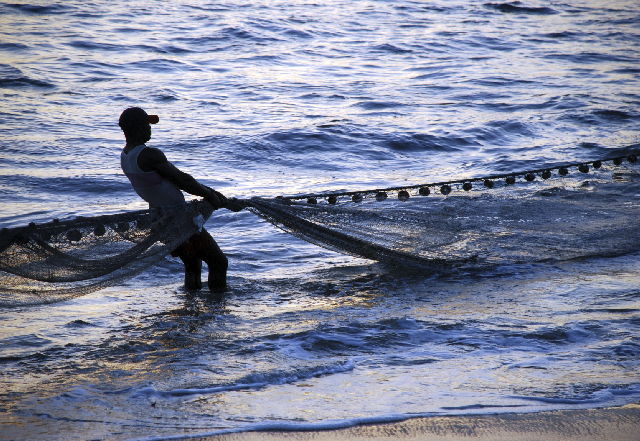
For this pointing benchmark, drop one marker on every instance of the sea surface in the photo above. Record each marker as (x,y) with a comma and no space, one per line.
(268,98)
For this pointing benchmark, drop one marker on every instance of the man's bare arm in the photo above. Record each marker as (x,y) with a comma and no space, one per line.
(152,159)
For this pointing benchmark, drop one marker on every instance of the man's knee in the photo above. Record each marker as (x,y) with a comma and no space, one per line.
(192,264)
(218,264)
(192,273)
(213,256)
(224,262)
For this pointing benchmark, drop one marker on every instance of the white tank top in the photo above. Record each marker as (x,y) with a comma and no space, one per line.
(150,186)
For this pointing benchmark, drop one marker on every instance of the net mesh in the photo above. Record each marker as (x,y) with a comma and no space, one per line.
(558,219)
(61,260)
(537,217)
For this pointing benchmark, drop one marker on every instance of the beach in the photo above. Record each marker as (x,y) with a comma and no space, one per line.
(610,424)
(441,235)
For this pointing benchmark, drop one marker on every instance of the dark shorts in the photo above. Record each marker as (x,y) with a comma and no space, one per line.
(194,246)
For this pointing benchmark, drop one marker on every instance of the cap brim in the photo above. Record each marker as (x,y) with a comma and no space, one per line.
(153,119)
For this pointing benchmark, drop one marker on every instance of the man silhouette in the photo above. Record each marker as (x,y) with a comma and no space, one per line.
(160,183)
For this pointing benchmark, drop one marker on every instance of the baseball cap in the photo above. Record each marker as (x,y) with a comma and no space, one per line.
(135,115)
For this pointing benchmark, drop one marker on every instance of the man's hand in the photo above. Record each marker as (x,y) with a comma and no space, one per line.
(216,199)
(233,205)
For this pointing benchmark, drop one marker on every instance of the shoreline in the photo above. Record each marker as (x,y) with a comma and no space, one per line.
(605,424)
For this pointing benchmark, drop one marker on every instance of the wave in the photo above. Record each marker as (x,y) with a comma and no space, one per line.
(378,105)
(626,70)
(606,396)
(69,185)
(12,77)
(501,82)
(427,143)
(492,43)
(159,64)
(284,426)
(601,116)
(91,45)
(41,9)
(563,34)
(614,114)
(515,8)
(298,34)
(499,132)
(230,34)
(600,395)
(252,381)
(329,141)
(590,58)
(24,81)
(391,48)
(13,46)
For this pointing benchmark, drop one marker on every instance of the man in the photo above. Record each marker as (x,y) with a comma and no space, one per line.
(159,182)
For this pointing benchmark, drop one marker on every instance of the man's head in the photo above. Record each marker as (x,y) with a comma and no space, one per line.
(134,122)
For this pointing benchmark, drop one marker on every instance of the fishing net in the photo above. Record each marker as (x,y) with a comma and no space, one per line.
(65,259)
(516,226)
(560,213)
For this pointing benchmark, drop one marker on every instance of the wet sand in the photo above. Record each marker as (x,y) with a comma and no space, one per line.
(609,424)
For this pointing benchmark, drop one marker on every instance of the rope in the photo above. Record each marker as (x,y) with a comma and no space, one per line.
(446,187)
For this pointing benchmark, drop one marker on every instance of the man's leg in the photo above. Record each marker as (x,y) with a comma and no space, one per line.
(192,265)
(192,273)
(210,252)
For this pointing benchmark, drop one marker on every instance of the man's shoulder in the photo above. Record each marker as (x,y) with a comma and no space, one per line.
(151,150)
(150,157)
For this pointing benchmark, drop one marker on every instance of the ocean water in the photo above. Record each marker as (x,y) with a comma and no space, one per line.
(268,98)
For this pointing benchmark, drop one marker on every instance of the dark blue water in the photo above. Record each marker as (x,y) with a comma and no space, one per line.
(270,98)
